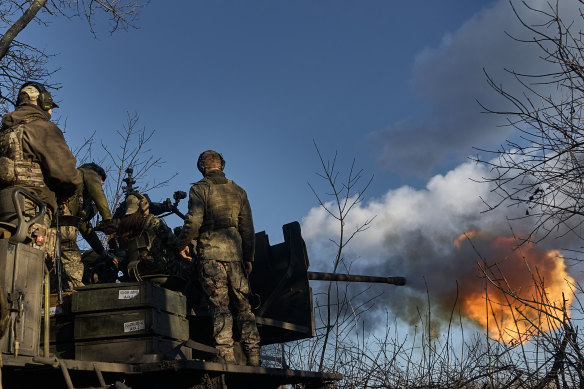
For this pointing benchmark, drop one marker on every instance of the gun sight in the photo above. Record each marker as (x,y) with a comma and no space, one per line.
(179,195)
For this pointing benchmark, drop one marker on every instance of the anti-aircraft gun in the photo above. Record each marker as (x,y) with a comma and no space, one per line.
(281,278)
(140,335)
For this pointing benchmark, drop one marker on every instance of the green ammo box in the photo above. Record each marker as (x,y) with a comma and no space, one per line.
(130,323)
(107,297)
(132,350)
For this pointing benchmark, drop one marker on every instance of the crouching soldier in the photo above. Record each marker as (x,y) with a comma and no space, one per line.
(148,244)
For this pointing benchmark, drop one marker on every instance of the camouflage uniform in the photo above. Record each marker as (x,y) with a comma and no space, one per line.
(147,240)
(220,225)
(82,204)
(70,257)
(35,156)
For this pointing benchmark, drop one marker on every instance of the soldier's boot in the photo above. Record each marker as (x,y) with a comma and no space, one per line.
(253,356)
(253,359)
(227,355)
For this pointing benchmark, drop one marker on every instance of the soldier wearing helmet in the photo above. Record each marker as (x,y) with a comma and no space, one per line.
(148,243)
(84,205)
(34,156)
(219,227)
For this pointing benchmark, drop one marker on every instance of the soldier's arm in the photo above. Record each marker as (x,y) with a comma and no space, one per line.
(56,160)
(95,189)
(194,218)
(94,241)
(246,230)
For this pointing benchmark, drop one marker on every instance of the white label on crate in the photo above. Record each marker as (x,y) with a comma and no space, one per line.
(128,294)
(55,310)
(132,326)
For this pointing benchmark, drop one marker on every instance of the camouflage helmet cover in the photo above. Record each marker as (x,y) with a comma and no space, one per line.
(135,203)
(209,155)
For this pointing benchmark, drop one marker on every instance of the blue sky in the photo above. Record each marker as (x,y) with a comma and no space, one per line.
(393,84)
(257,81)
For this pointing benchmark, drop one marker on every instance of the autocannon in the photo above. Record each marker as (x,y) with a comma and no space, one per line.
(281,278)
(318,276)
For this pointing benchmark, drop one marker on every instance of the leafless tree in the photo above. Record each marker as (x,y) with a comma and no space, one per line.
(20,61)
(541,167)
(134,152)
(131,149)
(345,196)
(554,356)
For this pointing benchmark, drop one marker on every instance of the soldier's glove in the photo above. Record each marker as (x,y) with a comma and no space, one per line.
(110,260)
(108,226)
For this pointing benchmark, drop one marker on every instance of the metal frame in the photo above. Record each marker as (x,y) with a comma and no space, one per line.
(259,376)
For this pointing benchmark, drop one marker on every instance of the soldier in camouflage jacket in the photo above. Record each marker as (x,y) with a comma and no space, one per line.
(219,227)
(35,156)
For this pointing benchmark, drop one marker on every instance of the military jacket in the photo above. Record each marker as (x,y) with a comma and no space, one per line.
(219,222)
(91,191)
(43,145)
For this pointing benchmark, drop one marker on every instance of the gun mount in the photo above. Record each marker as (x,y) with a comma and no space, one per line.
(281,279)
(129,181)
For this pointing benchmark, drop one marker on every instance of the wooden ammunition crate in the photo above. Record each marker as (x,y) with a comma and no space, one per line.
(105,297)
(135,322)
(132,350)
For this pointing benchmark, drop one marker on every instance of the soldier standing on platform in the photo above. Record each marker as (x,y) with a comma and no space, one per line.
(219,226)
(88,200)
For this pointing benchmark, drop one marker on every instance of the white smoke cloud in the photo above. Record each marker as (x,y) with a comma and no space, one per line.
(449,81)
(413,234)
(449,205)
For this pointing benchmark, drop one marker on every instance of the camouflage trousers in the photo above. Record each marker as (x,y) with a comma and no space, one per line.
(72,274)
(226,285)
(73,268)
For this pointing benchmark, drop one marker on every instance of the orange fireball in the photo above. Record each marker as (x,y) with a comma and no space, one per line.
(522,291)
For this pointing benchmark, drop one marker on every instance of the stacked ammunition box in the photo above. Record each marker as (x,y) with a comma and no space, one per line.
(129,322)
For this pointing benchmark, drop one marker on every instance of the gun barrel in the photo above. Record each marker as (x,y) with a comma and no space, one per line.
(317,276)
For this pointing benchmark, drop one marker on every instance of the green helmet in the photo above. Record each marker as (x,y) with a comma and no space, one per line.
(135,203)
(209,155)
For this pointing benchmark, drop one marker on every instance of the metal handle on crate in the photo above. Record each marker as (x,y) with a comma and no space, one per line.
(23,225)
